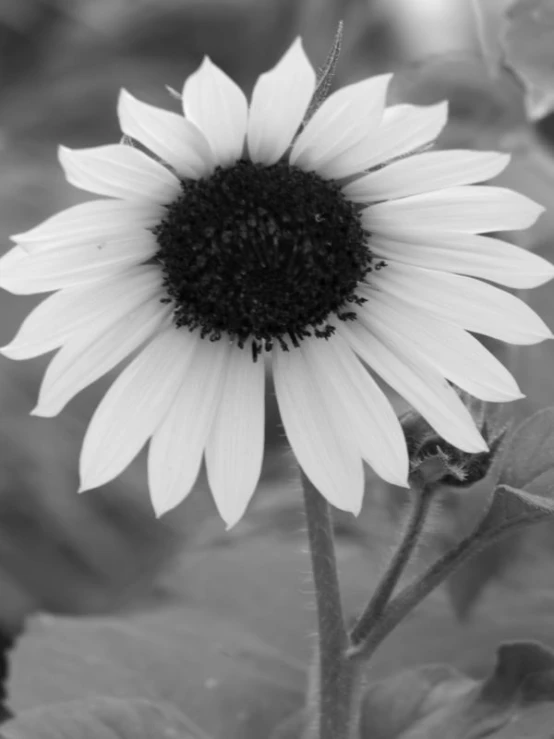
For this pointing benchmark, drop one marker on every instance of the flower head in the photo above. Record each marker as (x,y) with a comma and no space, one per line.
(236,233)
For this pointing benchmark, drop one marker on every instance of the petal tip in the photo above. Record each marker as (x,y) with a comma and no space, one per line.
(42,411)
(161,507)
(124,97)
(8,351)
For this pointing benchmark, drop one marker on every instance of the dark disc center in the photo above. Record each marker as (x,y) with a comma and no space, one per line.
(262,253)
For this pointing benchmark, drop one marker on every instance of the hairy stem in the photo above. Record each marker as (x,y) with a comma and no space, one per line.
(336,687)
(419,589)
(374,610)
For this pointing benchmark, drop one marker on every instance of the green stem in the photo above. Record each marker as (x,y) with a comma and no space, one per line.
(374,609)
(337,690)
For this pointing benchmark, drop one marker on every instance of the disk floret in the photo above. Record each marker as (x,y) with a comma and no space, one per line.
(262,253)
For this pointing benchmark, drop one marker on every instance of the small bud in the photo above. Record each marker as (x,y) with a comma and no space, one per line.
(439,462)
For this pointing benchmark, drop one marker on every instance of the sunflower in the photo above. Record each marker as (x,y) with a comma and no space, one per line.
(235,238)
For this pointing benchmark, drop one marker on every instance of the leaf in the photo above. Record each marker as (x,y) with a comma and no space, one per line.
(100,718)
(518,667)
(435,701)
(487,17)
(227,681)
(466,585)
(528,45)
(530,455)
(535,723)
(394,705)
(529,463)
(512,509)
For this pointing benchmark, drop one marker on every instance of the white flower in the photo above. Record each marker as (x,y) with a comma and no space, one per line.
(248,236)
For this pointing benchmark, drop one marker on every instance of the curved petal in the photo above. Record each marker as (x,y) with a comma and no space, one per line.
(85,358)
(470,209)
(134,406)
(217,105)
(425,172)
(417,382)
(119,171)
(235,447)
(23,273)
(97,221)
(279,102)
(168,135)
(367,412)
(404,129)
(71,312)
(463,301)
(177,446)
(468,254)
(317,434)
(348,116)
(453,352)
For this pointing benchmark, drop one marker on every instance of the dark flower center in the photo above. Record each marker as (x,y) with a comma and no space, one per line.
(262,253)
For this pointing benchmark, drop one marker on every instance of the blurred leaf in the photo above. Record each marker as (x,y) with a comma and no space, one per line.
(535,723)
(466,585)
(100,718)
(489,16)
(530,455)
(65,552)
(227,681)
(528,463)
(393,706)
(481,110)
(435,701)
(262,580)
(512,509)
(531,172)
(529,49)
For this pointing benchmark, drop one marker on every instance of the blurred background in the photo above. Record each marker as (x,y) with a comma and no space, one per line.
(62,63)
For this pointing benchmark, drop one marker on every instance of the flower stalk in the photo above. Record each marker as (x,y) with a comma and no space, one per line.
(334,713)
(422,494)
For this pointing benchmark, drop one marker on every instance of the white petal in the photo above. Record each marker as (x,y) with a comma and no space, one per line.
(374,425)
(72,312)
(23,273)
(457,355)
(178,443)
(470,209)
(469,254)
(217,105)
(279,102)
(119,171)
(85,358)
(404,128)
(134,406)
(318,436)
(97,221)
(168,135)
(235,446)
(464,301)
(417,382)
(347,117)
(433,170)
